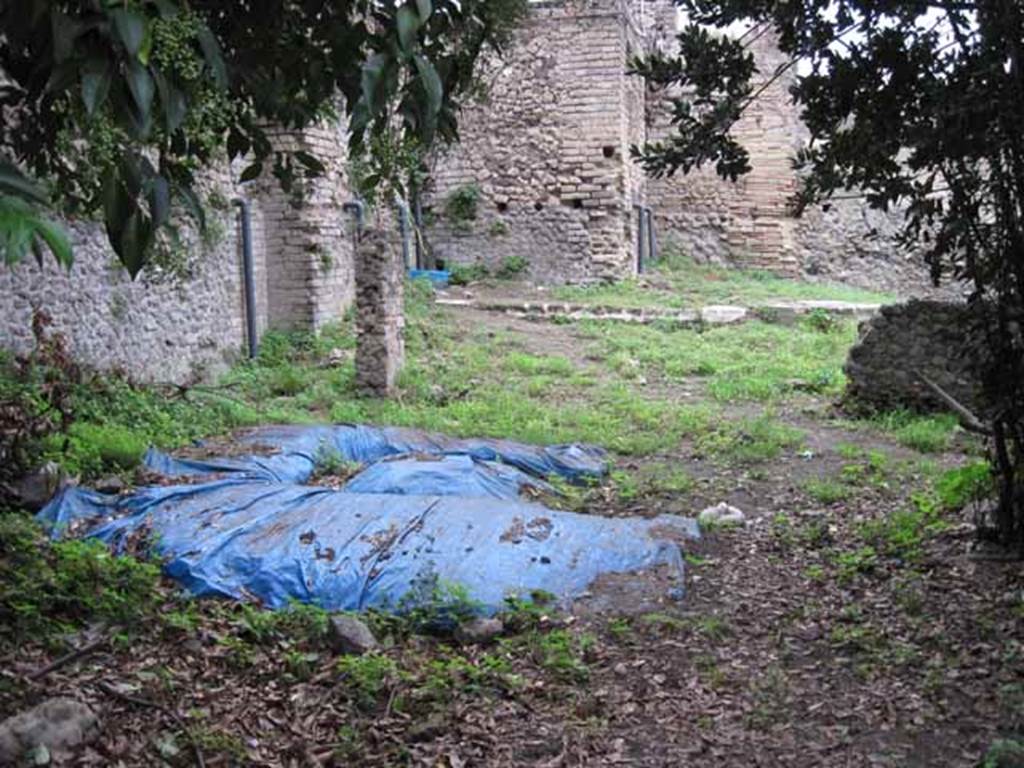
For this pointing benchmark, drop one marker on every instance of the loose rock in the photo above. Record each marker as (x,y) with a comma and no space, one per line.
(479,631)
(349,635)
(37,487)
(55,727)
(721,515)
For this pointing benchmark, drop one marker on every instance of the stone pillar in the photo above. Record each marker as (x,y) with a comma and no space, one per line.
(380,350)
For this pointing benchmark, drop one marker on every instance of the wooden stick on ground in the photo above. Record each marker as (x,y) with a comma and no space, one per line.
(139,701)
(67,658)
(968,420)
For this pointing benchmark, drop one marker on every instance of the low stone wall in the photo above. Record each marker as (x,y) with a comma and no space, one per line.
(903,341)
(157,328)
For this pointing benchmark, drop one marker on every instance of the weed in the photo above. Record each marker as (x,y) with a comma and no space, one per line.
(714,628)
(561,653)
(750,440)
(512,266)
(815,572)
(460,207)
(100,448)
(369,675)
(826,491)
(1004,753)
(926,434)
(433,606)
(959,487)
(498,228)
(464,274)
(858,561)
(820,320)
(621,629)
(710,672)
(50,587)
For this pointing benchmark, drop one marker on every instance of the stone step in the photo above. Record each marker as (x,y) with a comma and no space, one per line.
(714,314)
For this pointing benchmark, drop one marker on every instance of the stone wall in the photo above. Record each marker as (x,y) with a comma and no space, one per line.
(548,148)
(168,325)
(902,340)
(310,277)
(188,323)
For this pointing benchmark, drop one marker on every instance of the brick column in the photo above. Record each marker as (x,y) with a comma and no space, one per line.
(380,350)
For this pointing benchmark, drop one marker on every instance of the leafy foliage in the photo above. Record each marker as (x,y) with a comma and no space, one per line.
(119,104)
(45,588)
(918,107)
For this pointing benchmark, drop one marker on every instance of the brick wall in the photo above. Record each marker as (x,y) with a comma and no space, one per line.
(548,150)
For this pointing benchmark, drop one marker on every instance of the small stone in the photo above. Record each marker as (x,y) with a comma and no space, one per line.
(349,635)
(721,515)
(110,484)
(52,728)
(479,631)
(37,487)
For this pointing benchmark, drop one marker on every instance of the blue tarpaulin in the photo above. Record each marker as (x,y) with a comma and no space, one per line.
(424,508)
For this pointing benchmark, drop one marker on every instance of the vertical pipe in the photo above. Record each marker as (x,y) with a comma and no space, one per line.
(417,218)
(248,277)
(357,207)
(403,228)
(652,240)
(639,237)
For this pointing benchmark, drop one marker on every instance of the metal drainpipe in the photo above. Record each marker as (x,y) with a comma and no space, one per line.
(639,237)
(357,207)
(417,218)
(248,277)
(652,240)
(404,227)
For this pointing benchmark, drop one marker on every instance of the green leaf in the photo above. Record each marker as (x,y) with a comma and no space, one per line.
(252,172)
(57,240)
(174,101)
(141,86)
(373,83)
(213,55)
(23,228)
(130,26)
(191,201)
(133,244)
(14,182)
(159,201)
(425,7)
(432,85)
(65,31)
(95,84)
(310,162)
(408,22)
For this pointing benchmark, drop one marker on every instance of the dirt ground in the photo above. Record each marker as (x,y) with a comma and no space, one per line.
(778,655)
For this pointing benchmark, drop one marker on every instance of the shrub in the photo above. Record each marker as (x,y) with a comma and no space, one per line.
(512,266)
(46,588)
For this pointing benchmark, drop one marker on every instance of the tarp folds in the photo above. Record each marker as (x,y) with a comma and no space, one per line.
(426,508)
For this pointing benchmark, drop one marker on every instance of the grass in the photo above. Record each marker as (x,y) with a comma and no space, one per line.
(678,282)
(931,433)
(754,361)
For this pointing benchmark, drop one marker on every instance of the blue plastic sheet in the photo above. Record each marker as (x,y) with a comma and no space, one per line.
(425,509)
(439,277)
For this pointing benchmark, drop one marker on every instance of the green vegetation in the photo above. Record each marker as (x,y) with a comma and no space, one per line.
(460,207)
(49,588)
(512,266)
(752,361)
(677,281)
(924,433)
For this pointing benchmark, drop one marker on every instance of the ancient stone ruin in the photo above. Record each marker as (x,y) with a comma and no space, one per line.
(380,277)
(904,342)
(542,176)
(544,160)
